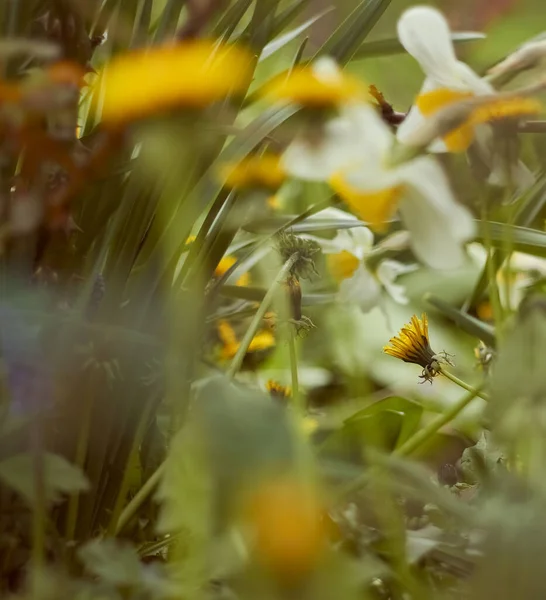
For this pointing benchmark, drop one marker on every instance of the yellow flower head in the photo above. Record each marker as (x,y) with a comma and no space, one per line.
(263,340)
(311,89)
(278,391)
(412,346)
(192,74)
(254,171)
(226,263)
(289,531)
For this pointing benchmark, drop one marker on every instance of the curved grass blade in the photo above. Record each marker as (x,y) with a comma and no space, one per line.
(255,294)
(467,323)
(230,19)
(280,42)
(524,239)
(393,46)
(348,37)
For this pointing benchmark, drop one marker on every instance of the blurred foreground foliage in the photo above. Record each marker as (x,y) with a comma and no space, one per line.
(149,292)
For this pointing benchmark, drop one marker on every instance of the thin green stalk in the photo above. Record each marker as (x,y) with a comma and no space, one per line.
(492,275)
(137,441)
(464,385)
(256,321)
(296,396)
(81,454)
(142,495)
(424,435)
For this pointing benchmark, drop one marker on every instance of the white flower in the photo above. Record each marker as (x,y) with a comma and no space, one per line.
(374,189)
(425,34)
(346,257)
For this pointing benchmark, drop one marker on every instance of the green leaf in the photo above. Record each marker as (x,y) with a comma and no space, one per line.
(255,294)
(466,322)
(411,411)
(344,42)
(393,45)
(60,477)
(111,561)
(310,224)
(524,239)
(278,43)
(231,18)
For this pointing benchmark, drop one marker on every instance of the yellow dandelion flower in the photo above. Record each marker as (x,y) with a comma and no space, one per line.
(314,89)
(254,171)
(226,263)
(412,346)
(192,74)
(263,340)
(289,531)
(278,391)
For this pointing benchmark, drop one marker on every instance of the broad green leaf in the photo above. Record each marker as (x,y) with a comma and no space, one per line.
(393,45)
(466,322)
(278,43)
(344,42)
(60,477)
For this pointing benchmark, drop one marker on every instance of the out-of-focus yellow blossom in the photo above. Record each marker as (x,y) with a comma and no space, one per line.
(278,391)
(225,264)
(254,171)
(316,86)
(263,340)
(192,74)
(286,520)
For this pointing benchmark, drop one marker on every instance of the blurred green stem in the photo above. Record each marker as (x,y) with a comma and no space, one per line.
(256,321)
(142,495)
(137,441)
(81,453)
(464,385)
(436,424)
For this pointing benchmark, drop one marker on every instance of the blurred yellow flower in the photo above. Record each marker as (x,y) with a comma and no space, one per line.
(254,171)
(226,263)
(286,519)
(278,391)
(318,86)
(192,74)
(263,340)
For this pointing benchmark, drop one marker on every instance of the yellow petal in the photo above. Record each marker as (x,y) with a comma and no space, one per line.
(429,103)
(505,108)
(303,86)
(226,263)
(373,207)
(192,74)
(342,265)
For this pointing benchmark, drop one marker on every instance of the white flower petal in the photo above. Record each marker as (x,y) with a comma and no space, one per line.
(358,241)
(362,289)
(425,34)
(414,119)
(387,272)
(312,159)
(438,224)
(326,69)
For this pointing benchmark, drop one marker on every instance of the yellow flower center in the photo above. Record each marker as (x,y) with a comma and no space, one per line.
(460,138)
(375,207)
(192,74)
(264,171)
(303,86)
(342,265)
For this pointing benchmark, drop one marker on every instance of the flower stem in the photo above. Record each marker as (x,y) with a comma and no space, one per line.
(436,424)
(137,441)
(255,323)
(142,495)
(463,384)
(296,398)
